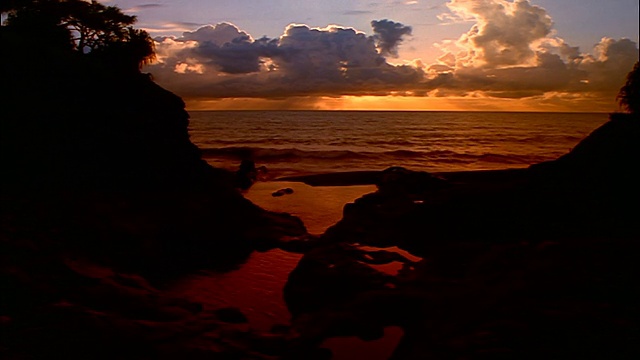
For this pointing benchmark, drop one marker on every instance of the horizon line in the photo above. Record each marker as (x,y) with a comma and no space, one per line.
(405,110)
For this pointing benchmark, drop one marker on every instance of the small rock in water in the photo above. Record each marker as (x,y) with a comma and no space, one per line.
(282,192)
(246,175)
(231,315)
(280,329)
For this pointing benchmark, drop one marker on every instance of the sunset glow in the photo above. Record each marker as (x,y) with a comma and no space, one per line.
(547,103)
(319,179)
(474,55)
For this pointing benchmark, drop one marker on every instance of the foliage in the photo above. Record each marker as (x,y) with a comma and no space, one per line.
(84,27)
(12,5)
(629,95)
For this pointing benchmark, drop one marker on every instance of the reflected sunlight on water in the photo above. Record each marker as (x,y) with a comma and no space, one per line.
(256,287)
(319,207)
(294,143)
(303,142)
(351,347)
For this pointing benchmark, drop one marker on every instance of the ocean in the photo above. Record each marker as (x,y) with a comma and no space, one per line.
(309,142)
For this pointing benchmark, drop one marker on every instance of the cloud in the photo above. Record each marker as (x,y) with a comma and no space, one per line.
(149,6)
(612,61)
(504,31)
(511,51)
(357,12)
(388,35)
(169,27)
(143,7)
(217,61)
(218,34)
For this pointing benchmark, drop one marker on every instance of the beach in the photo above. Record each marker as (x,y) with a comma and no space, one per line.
(134,226)
(318,207)
(320,185)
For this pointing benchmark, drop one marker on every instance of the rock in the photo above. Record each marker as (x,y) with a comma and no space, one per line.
(106,200)
(527,264)
(327,276)
(246,175)
(280,329)
(231,315)
(400,180)
(282,192)
(601,159)
(298,244)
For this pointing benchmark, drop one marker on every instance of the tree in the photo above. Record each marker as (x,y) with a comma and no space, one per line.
(629,95)
(12,5)
(88,27)
(94,25)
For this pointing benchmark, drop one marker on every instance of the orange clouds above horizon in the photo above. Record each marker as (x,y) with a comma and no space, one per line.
(548,103)
(509,59)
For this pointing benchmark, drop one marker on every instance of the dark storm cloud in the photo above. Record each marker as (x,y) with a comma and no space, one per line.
(388,35)
(229,49)
(224,61)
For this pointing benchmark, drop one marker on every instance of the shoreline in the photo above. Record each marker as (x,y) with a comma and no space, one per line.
(372,177)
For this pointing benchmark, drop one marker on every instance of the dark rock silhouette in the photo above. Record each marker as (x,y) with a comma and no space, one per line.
(231,315)
(282,192)
(396,180)
(529,263)
(246,175)
(105,200)
(602,158)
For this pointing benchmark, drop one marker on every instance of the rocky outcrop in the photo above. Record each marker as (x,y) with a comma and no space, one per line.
(584,194)
(74,308)
(532,263)
(601,160)
(104,199)
(478,301)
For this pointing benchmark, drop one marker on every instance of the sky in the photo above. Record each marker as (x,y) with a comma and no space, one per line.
(494,55)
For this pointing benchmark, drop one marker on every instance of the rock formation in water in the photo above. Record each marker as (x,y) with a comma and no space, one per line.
(528,264)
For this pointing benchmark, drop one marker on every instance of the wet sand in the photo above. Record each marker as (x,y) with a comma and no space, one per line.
(352,178)
(318,206)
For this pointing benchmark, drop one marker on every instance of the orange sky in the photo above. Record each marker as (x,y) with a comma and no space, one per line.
(402,103)
(499,55)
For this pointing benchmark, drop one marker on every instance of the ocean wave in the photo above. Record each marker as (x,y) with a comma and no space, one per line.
(266,155)
(278,154)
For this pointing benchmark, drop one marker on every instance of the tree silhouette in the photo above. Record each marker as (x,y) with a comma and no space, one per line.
(85,27)
(629,95)
(12,5)
(95,25)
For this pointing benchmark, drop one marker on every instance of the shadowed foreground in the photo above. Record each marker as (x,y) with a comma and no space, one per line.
(105,201)
(533,263)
